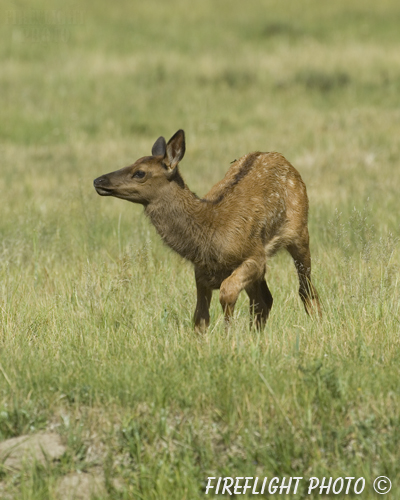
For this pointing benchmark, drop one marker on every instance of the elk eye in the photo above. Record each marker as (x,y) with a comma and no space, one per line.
(139,174)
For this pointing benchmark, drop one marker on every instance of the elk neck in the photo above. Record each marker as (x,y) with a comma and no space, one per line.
(184,222)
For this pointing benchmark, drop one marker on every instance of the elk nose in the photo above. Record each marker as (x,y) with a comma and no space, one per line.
(99,181)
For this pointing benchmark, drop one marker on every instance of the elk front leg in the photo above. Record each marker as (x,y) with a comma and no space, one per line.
(260,303)
(243,277)
(201,313)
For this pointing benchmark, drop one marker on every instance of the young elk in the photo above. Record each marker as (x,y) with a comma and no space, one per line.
(259,207)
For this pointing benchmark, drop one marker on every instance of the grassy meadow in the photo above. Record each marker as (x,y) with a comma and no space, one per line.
(96,337)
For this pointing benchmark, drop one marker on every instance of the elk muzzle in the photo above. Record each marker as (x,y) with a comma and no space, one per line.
(102,186)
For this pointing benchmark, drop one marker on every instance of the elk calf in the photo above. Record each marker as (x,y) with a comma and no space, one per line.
(259,207)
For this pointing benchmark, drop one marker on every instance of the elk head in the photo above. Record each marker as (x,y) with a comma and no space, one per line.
(144,181)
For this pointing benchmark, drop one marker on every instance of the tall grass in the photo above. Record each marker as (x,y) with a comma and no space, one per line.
(95,313)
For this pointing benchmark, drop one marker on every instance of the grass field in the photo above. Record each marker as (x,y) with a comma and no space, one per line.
(96,313)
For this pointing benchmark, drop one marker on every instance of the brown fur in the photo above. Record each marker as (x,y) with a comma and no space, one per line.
(259,207)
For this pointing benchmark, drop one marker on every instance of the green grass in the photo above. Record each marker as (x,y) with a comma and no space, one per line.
(96,314)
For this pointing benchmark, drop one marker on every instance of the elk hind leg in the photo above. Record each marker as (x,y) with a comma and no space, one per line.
(300,252)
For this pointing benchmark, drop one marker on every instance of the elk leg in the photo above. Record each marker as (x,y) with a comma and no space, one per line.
(260,303)
(201,313)
(300,252)
(243,276)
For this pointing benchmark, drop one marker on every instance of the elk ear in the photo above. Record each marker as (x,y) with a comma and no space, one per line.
(175,149)
(159,147)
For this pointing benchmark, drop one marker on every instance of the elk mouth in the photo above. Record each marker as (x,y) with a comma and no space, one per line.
(103,191)
(100,188)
